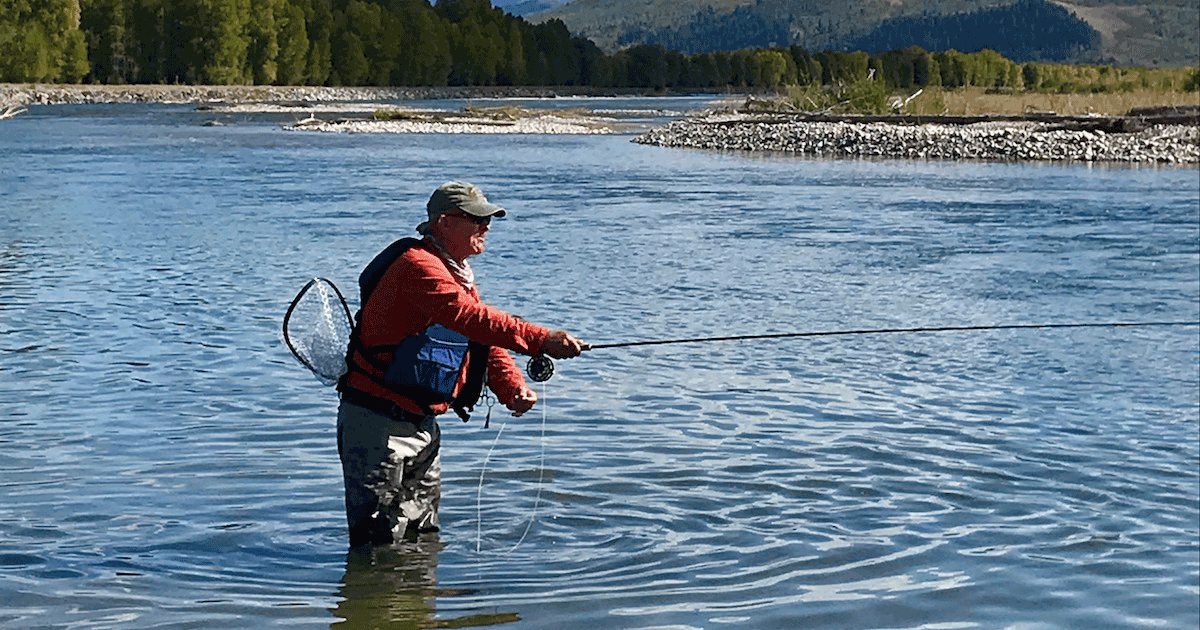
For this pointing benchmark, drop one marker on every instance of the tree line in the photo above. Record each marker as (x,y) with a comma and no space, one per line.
(455,42)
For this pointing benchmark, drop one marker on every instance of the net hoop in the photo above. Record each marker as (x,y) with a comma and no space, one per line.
(287,317)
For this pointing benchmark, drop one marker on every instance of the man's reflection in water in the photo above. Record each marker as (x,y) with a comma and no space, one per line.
(395,587)
(389,586)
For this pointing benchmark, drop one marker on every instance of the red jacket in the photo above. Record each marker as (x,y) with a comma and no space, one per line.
(417,291)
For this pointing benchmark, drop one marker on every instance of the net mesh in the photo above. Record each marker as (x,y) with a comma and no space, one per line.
(317,330)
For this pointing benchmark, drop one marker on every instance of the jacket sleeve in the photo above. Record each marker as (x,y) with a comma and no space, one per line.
(430,288)
(504,377)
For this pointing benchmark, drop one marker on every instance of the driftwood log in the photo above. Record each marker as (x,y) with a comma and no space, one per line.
(10,110)
(1137,120)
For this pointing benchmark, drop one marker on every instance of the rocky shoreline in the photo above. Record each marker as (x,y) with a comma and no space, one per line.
(1004,140)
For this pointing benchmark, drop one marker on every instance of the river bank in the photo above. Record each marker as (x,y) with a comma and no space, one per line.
(60,94)
(1006,140)
(1132,139)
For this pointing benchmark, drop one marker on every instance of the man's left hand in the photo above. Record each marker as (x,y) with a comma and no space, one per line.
(524,401)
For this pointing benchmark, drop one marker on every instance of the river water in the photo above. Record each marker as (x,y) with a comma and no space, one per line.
(164,461)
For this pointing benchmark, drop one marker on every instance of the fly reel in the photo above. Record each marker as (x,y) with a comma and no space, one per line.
(540,368)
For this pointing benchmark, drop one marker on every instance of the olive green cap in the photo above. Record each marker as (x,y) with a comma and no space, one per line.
(458,196)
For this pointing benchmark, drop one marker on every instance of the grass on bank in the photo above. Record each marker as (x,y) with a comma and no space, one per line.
(871,97)
(976,101)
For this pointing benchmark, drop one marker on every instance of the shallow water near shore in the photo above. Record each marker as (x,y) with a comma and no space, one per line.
(164,461)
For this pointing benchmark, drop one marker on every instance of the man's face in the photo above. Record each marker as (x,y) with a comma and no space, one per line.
(463,235)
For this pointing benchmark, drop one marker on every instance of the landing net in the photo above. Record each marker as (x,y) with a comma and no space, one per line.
(316,329)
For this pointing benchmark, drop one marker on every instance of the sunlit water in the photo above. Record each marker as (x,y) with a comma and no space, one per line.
(164,461)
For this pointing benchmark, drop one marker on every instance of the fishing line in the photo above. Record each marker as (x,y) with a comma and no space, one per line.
(479,490)
(541,368)
(537,500)
(884,331)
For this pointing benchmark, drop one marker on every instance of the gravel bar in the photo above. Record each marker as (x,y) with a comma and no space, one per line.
(548,125)
(1169,144)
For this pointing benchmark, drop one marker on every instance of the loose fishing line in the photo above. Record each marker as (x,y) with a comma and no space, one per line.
(537,499)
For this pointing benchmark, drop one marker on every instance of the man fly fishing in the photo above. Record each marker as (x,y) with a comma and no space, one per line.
(423,343)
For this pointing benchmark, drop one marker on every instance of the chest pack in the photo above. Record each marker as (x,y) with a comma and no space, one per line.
(424,367)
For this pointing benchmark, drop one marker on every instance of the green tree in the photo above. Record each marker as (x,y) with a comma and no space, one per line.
(770,69)
(592,66)
(75,57)
(41,41)
(263,30)
(293,47)
(702,71)
(436,47)
(350,66)
(104,23)
(843,67)
(318,24)
(153,57)
(216,41)
(926,71)
(536,69)
(952,68)
(647,66)
(511,69)
(554,42)
(808,69)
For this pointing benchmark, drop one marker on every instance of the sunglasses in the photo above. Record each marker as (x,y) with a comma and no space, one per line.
(472,218)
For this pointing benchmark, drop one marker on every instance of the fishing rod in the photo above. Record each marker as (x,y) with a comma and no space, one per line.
(541,368)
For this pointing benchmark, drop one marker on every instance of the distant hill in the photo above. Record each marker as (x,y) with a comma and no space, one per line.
(1130,32)
(526,7)
(606,21)
(1027,30)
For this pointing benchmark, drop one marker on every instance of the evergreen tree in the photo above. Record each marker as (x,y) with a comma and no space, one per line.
(293,47)
(591,61)
(511,70)
(535,61)
(263,30)
(469,42)
(554,41)
(808,69)
(318,23)
(350,65)
(218,41)
(104,24)
(41,41)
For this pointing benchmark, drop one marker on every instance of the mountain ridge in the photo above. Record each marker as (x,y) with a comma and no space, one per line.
(1131,32)
(527,7)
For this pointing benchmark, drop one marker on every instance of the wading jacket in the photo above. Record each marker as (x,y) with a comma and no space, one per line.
(417,291)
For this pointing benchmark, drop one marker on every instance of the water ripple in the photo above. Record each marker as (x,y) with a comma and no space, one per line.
(164,463)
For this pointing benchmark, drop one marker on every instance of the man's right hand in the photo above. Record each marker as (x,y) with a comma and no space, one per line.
(561,344)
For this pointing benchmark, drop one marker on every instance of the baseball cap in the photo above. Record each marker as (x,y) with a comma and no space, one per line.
(456,195)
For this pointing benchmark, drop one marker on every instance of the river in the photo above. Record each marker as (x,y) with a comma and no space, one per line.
(164,461)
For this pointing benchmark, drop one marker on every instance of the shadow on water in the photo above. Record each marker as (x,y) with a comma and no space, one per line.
(396,586)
